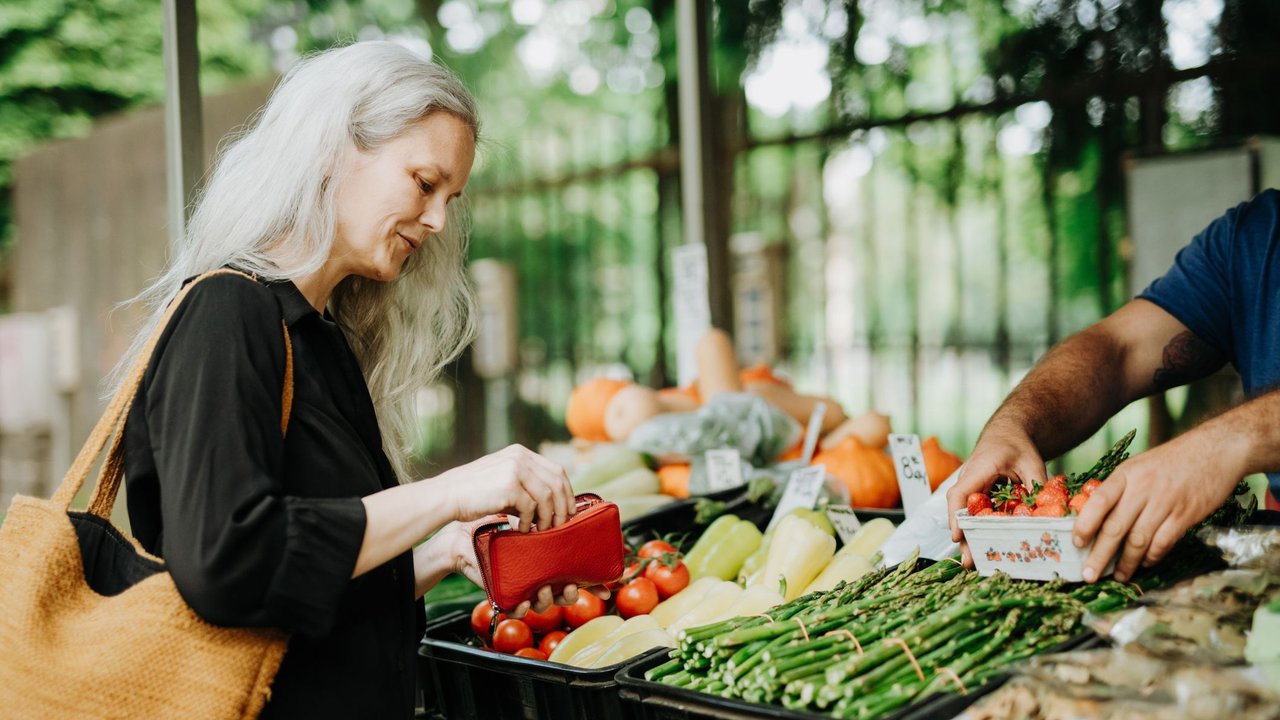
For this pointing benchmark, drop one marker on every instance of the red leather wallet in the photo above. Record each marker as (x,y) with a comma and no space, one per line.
(586,550)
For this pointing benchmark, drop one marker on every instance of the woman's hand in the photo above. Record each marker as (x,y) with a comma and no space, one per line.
(513,481)
(999,453)
(453,543)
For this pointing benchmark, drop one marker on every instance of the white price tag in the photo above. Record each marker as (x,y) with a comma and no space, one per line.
(908,461)
(803,488)
(845,521)
(724,469)
(691,306)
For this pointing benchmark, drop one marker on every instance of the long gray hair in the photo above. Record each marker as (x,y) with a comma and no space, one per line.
(268,207)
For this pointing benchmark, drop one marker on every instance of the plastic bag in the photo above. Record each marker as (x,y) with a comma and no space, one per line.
(925,528)
(1119,685)
(1247,546)
(756,429)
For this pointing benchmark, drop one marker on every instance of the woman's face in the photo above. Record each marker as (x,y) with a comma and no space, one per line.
(393,198)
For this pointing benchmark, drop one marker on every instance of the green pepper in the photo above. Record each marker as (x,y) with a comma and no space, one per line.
(725,558)
(695,560)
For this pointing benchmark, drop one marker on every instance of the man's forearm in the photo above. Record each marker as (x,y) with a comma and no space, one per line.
(1068,395)
(1247,437)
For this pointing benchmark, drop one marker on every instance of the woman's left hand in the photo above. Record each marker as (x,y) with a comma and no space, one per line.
(456,538)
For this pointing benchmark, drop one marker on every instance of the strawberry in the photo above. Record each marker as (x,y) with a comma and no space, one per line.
(977,502)
(986,511)
(1050,510)
(1090,485)
(1077,502)
(1008,495)
(1021,510)
(1051,495)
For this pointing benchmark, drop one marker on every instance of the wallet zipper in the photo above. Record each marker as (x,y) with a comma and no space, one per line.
(484,579)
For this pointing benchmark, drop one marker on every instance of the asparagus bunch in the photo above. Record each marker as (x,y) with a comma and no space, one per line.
(869,647)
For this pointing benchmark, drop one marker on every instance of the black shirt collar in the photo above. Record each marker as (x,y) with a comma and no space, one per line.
(293,303)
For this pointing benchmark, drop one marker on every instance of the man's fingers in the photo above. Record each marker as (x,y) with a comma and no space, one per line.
(1137,542)
(1165,538)
(966,556)
(1111,536)
(1095,510)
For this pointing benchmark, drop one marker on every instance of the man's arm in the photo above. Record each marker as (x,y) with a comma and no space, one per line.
(1136,351)
(1153,498)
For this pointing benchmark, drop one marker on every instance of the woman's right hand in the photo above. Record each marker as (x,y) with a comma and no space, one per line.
(514,481)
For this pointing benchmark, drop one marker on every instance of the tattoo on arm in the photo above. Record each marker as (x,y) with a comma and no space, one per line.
(1186,358)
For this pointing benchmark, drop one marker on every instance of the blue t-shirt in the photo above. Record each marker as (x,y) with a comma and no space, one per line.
(1225,287)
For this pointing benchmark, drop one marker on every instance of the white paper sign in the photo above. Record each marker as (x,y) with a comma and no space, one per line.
(803,488)
(724,469)
(845,521)
(908,462)
(691,306)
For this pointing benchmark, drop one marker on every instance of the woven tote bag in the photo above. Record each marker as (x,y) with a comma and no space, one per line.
(92,626)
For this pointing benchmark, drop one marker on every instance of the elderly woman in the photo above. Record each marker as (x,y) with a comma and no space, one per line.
(339,200)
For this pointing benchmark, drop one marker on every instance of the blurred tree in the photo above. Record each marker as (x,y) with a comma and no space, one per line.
(65,62)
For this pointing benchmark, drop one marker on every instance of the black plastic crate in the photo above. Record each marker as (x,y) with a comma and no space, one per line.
(463,682)
(654,701)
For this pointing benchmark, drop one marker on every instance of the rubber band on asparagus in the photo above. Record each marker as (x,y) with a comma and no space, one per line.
(910,656)
(804,630)
(951,675)
(852,637)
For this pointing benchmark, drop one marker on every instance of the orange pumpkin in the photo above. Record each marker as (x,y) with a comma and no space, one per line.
(938,463)
(587,403)
(760,373)
(674,480)
(866,472)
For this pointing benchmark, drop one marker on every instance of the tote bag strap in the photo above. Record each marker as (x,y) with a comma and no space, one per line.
(111,424)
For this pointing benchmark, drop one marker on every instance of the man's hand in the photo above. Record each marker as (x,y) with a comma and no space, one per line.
(1002,451)
(1151,500)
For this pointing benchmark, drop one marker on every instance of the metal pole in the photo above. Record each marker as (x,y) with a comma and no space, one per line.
(183,126)
(698,155)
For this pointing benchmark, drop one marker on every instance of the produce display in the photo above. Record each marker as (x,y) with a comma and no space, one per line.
(782,614)
(866,647)
(586,634)
(650,445)
(1203,649)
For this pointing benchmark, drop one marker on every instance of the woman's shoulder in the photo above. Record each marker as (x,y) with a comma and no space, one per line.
(223,303)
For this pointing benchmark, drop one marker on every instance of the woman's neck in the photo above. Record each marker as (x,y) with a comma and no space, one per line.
(319,285)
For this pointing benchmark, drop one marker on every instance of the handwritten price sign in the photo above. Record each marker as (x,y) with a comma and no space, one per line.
(802,491)
(908,462)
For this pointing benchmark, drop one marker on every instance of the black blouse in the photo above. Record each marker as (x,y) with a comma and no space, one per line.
(259,530)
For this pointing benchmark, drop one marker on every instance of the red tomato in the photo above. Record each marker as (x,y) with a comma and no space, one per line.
(546,621)
(668,580)
(655,548)
(481,614)
(637,598)
(631,573)
(512,635)
(588,607)
(532,653)
(551,641)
